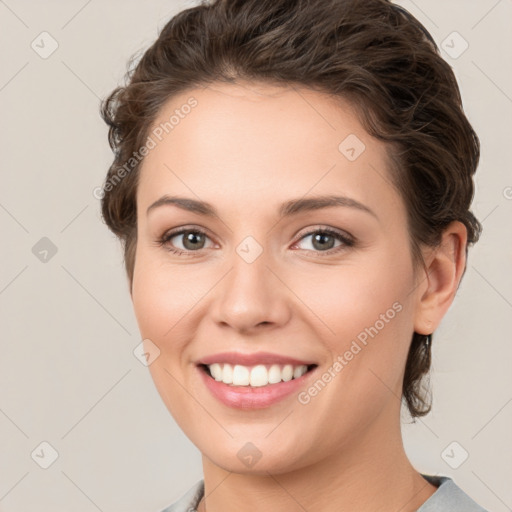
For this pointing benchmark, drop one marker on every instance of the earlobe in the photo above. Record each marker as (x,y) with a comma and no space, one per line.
(445,266)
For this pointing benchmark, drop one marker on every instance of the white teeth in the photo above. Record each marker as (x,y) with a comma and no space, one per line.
(240,375)
(288,372)
(298,371)
(259,376)
(274,374)
(255,376)
(227,374)
(216,371)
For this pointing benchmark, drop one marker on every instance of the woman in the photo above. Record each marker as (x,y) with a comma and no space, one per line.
(317,154)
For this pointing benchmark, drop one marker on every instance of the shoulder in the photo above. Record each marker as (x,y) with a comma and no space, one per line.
(189,501)
(449,497)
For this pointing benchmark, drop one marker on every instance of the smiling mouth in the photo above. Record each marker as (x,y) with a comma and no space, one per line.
(255,376)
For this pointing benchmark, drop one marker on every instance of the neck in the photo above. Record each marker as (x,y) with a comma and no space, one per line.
(368,474)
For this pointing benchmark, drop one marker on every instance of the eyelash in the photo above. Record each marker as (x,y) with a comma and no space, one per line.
(346,241)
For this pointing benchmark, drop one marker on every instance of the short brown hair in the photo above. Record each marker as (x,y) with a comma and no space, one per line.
(371,52)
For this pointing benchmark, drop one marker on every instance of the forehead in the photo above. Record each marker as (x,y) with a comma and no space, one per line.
(268,114)
(258,140)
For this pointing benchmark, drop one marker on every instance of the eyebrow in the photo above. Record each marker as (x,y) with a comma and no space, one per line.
(287,209)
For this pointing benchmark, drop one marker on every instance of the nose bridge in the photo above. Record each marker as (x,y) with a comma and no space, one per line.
(251,294)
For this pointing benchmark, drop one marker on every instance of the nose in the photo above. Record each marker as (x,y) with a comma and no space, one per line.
(251,297)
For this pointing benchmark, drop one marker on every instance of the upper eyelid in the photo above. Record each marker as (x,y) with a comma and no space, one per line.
(320,227)
(171,233)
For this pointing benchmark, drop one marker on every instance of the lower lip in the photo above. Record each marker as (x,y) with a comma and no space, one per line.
(246,397)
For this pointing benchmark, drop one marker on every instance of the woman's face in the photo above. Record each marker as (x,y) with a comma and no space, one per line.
(265,277)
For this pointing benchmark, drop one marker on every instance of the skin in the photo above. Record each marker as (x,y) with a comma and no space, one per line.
(246,148)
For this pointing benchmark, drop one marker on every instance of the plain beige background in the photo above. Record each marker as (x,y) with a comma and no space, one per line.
(68,374)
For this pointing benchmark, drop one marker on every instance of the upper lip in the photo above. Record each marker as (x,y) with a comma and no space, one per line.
(251,359)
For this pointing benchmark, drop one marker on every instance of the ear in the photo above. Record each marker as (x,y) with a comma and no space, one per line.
(445,267)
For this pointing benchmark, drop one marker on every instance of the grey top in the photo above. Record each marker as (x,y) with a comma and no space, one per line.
(448,498)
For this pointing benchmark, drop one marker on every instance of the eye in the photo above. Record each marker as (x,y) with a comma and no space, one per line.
(324,239)
(192,240)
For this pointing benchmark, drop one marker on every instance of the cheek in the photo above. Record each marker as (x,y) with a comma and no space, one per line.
(159,301)
(350,298)
(163,300)
(162,295)
(367,313)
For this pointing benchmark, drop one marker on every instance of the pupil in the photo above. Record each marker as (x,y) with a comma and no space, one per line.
(319,237)
(192,238)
